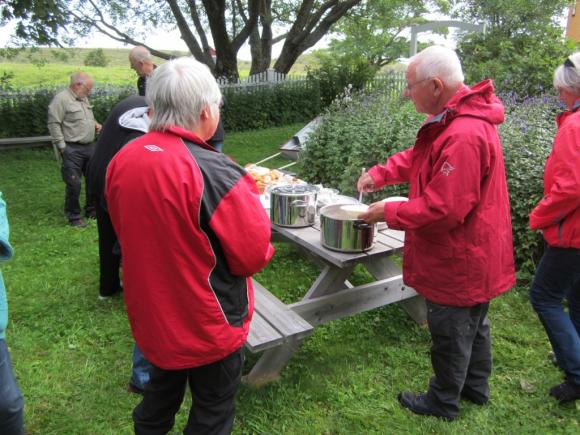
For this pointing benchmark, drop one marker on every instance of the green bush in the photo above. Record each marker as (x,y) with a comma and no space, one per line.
(334,75)
(23,113)
(96,58)
(269,106)
(360,130)
(527,135)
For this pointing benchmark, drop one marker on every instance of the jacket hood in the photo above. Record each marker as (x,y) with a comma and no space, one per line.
(478,101)
(135,119)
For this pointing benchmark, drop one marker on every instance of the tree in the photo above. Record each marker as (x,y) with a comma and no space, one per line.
(96,58)
(522,46)
(373,30)
(227,23)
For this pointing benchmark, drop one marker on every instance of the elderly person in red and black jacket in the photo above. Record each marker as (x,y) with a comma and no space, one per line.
(558,216)
(192,233)
(458,249)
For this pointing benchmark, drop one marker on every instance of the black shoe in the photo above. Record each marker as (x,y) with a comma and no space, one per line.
(91,215)
(565,392)
(474,397)
(417,403)
(78,223)
(134,389)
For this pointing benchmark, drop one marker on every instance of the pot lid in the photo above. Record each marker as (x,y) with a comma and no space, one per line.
(294,189)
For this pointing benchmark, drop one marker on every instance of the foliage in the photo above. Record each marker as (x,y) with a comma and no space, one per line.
(6,81)
(72,353)
(521,48)
(530,72)
(357,131)
(360,130)
(268,106)
(23,113)
(527,135)
(373,30)
(227,25)
(334,74)
(96,58)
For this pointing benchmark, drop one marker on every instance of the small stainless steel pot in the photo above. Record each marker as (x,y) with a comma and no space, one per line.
(293,205)
(340,232)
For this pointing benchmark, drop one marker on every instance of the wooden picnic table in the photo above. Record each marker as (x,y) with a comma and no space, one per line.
(277,329)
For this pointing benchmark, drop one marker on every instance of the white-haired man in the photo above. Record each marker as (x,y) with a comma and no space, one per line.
(458,249)
(72,126)
(141,61)
(192,232)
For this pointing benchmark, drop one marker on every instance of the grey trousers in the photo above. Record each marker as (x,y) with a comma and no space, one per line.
(460,354)
(75,160)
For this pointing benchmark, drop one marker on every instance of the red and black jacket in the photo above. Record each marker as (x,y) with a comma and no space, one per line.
(192,232)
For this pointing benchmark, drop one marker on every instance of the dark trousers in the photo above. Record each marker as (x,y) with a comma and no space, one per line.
(460,354)
(213,388)
(109,261)
(557,278)
(11,400)
(75,160)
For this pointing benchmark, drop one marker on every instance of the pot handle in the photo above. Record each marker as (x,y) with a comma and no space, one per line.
(299,203)
(361,225)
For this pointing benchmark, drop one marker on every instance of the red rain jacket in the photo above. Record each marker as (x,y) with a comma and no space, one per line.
(458,236)
(192,231)
(558,213)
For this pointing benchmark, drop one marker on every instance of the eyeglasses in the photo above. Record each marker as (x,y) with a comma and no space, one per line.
(409,86)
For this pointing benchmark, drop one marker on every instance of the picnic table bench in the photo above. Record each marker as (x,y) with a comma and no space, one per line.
(278,329)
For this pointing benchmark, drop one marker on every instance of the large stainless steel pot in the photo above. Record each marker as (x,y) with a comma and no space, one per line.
(340,231)
(293,205)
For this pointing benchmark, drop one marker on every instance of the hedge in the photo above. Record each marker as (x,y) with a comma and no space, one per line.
(360,130)
(23,113)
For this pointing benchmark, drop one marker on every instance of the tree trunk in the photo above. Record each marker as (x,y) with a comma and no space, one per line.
(310,26)
(261,45)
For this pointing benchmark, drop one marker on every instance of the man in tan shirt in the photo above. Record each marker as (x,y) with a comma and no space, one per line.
(72,126)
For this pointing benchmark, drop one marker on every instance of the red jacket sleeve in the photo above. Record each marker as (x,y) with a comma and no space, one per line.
(563,196)
(396,170)
(243,228)
(451,192)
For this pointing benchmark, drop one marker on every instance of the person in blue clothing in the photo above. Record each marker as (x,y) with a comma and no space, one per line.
(11,400)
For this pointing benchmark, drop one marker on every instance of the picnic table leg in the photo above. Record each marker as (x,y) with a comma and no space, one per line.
(382,268)
(271,363)
(330,280)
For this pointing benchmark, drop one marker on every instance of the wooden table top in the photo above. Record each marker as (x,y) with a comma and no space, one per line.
(386,242)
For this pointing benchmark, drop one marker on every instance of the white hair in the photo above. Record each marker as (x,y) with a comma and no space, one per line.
(438,61)
(79,78)
(178,91)
(568,76)
(140,53)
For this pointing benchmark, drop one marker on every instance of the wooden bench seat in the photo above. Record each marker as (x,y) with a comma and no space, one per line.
(273,322)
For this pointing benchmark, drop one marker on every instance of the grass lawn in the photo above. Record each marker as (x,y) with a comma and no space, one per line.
(72,353)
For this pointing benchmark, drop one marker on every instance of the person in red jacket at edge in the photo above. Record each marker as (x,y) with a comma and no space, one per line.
(458,250)
(558,216)
(192,232)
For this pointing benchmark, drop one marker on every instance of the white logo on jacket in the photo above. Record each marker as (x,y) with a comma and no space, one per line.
(446,168)
(153,148)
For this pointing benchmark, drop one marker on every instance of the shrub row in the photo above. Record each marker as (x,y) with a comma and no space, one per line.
(23,113)
(360,130)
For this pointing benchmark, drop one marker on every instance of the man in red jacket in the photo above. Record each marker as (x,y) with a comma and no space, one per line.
(192,232)
(458,249)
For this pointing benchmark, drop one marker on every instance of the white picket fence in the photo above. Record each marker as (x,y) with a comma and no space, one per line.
(268,77)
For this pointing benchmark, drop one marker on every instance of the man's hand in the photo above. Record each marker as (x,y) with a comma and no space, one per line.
(98,127)
(365,183)
(374,214)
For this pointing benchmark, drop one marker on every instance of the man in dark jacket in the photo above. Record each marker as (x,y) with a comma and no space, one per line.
(141,61)
(128,120)
(192,232)
(458,249)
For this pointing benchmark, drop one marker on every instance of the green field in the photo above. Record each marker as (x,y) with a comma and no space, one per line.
(53,66)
